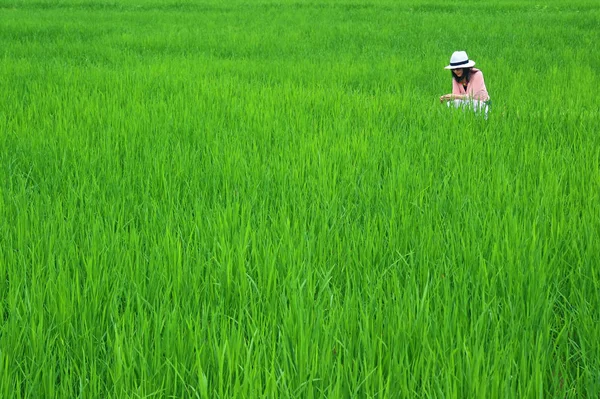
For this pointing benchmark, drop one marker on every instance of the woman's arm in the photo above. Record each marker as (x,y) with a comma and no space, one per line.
(458,93)
(477,89)
(452,97)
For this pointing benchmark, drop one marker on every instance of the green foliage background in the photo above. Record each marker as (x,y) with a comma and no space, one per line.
(266,199)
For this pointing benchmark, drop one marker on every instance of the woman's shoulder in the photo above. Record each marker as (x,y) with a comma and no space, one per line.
(476,73)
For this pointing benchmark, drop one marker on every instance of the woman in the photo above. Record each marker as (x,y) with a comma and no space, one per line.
(468,86)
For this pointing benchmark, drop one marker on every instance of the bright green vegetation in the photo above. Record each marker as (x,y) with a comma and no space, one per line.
(266,199)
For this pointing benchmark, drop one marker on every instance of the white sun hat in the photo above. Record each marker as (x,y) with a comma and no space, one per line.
(460,59)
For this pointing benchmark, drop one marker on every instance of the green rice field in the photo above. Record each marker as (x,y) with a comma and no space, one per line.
(266,199)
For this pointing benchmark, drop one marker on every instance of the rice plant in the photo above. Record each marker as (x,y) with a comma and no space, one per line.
(266,199)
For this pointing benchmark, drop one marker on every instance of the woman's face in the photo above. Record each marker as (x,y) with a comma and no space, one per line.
(458,72)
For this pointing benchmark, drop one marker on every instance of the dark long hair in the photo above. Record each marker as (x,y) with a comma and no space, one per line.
(466,75)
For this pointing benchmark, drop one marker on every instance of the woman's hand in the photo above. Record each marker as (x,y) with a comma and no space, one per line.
(446,97)
(452,97)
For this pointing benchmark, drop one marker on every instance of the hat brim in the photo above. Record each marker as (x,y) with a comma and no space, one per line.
(469,64)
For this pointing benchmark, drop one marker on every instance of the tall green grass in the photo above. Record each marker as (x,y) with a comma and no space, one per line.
(266,199)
